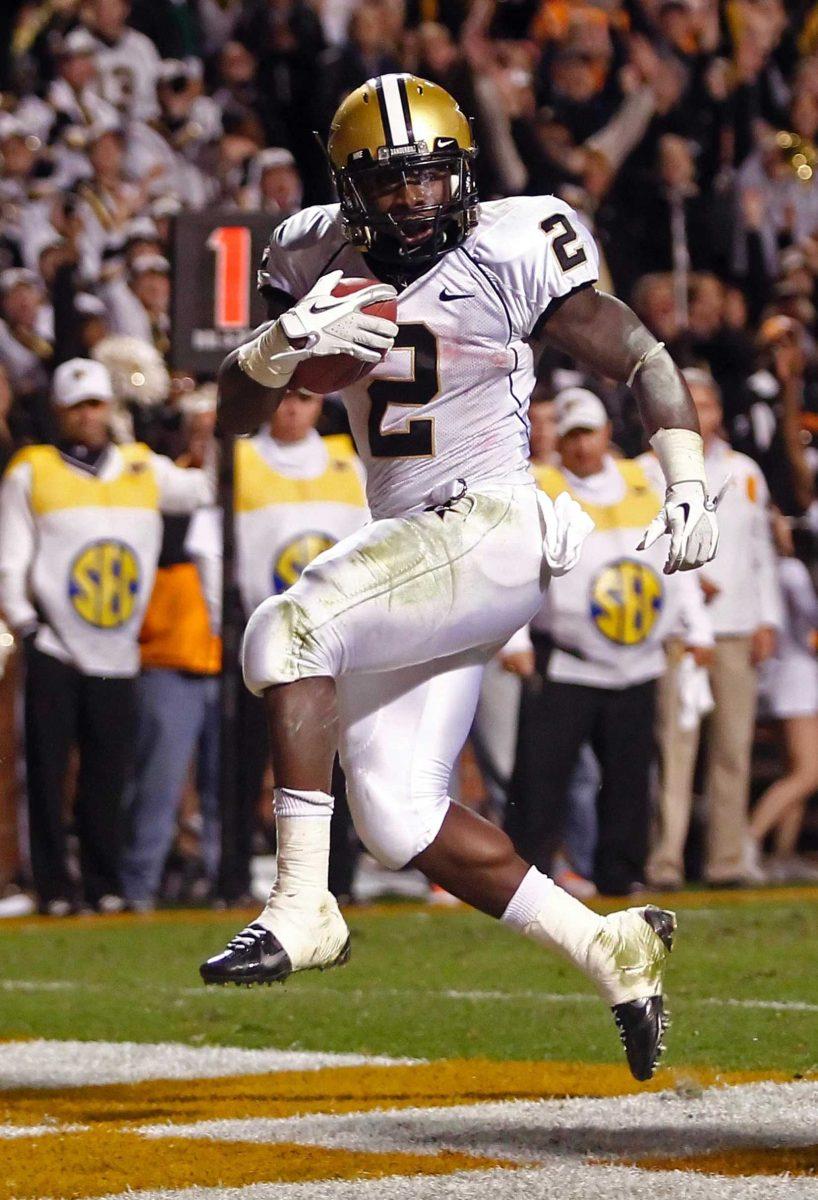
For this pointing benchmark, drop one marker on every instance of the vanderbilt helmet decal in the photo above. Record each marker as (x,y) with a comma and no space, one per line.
(104,582)
(291,560)
(626,598)
(396,116)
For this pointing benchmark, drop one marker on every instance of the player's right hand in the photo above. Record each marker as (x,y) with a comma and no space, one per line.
(690,518)
(322,324)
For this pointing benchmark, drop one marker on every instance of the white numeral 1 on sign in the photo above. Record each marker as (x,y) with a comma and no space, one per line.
(231,244)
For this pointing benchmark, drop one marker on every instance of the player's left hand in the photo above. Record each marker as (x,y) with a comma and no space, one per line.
(689,516)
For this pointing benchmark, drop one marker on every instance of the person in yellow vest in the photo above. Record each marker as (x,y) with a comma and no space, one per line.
(296,495)
(598,643)
(80,528)
(177,698)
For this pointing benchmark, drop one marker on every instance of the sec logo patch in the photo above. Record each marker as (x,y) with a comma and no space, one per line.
(295,556)
(104,583)
(626,598)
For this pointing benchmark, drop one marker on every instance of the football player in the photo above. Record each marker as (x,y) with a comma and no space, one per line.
(379,647)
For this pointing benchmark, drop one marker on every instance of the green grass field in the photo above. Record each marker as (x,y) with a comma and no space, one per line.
(423,984)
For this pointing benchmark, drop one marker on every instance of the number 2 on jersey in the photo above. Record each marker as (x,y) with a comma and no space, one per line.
(568,259)
(418,386)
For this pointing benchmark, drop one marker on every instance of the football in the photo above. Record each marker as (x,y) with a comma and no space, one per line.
(331,372)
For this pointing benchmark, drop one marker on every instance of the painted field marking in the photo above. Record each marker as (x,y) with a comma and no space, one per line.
(449,1122)
(63,1064)
(555,1182)
(751,1117)
(100,1161)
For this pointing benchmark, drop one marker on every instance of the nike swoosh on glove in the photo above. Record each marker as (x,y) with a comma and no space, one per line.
(690,518)
(567,525)
(328,324)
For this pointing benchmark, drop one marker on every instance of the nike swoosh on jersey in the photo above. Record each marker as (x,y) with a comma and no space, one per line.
(444,295)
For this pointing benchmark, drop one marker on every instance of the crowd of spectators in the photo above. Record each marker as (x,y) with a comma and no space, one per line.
(683,131)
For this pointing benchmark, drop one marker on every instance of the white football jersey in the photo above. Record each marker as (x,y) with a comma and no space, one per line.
(126,74)
(450,400)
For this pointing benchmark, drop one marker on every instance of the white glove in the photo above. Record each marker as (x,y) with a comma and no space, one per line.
(567,525)
(690,518)
(317,326)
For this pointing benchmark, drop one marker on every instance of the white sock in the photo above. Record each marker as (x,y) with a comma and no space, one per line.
(302,833)
(300,910)
(541,910)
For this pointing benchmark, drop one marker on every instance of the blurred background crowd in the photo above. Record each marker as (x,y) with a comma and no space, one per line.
(684,132)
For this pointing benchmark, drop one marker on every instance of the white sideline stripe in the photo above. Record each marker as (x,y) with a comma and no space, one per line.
(773,1005)
(557,1181)
(394,110)
(41,985)
(681,1122)
(60,985)
(582,997)
(29,1131)
(53,1064)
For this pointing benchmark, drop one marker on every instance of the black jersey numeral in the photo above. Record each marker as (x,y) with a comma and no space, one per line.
(418,439)
(568,259)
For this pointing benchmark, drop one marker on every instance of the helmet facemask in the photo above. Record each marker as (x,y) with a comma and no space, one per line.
(406,213)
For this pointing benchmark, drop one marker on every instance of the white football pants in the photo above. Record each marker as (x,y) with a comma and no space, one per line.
(404,613)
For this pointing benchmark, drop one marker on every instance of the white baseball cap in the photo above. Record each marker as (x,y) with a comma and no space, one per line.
(577,408)
(149,262)
(81,379)
(78,42)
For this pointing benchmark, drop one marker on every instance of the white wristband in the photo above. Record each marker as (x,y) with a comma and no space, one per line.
(681,455)
(269,359)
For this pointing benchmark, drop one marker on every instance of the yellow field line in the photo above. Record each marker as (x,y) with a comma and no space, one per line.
(346,1089)
(778,1160)
(102,1162)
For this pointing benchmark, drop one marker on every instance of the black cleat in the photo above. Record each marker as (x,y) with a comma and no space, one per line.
(642,1023)
(255,955)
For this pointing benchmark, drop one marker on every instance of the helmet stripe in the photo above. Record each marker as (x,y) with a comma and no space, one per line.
(392,110)
(407,112)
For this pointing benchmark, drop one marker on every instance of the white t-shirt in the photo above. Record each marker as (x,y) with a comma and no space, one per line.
(450,400)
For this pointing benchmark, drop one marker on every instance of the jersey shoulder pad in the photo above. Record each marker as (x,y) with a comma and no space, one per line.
(537,250)
(307,228)
(508,229)
(298,249)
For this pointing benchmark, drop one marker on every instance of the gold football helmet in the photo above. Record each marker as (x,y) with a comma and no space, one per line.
(401,154)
